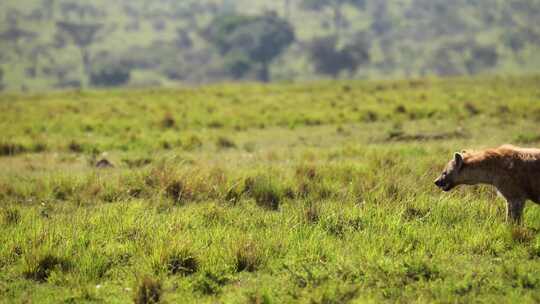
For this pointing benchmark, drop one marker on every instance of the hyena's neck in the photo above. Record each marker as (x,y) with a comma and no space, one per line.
(480,172)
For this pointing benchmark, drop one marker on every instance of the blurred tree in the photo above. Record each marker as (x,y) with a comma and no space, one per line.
(517,38)
(17,39)
(337,9)
(183,39)
(482,58)
(60,72)
(326,58)
(382,21)
(48,8)
(238,64)
(448,59)
(444,62)
(36,53)
(514,41)
(227,7)
(83,36)
(2,86)
(358,47)
(12,17)
(159,25)
(78,11)
(259,39)
(287,9)
(435,36)
(109,75)
(15,35)
(330,60)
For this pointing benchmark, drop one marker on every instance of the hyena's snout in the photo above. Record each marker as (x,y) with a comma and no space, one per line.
(444,184)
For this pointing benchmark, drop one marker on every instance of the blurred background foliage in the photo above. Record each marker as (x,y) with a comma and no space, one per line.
(46,44)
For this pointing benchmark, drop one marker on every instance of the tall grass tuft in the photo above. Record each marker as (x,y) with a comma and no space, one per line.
(421,270)
(234,193)
(179,192)
(225,143)
(265,192)
(248,256)
(149,291)
(168,121)
(522,234)
(11,149)
(311,213)
(307,172)
(75,147)
(191,143)
(10,216)
(181,262)
(40,267)
(210,282)
(175,259)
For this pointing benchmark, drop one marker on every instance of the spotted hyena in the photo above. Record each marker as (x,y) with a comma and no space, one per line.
(514,171)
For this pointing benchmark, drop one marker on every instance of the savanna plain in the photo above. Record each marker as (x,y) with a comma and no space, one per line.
(244,193)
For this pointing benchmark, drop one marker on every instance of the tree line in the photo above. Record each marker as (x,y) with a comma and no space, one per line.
(218,40)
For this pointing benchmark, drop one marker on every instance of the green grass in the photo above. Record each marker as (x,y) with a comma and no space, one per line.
(310,193)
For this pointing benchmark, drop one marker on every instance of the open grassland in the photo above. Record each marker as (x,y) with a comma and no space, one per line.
(310,193)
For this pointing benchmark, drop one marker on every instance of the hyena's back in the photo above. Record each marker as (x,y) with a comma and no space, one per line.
(524,164)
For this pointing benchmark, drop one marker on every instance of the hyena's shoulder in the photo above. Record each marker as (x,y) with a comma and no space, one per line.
(524,162)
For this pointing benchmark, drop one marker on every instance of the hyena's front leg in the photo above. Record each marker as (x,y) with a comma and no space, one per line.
(514,210)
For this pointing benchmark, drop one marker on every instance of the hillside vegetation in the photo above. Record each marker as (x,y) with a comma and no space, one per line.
(309,193)
(65,43)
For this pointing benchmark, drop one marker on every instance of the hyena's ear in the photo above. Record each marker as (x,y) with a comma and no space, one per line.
(458,158)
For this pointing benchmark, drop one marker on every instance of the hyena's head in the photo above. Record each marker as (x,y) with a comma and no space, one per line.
(451,174)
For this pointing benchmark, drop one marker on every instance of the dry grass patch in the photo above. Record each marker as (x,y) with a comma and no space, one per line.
(522,234)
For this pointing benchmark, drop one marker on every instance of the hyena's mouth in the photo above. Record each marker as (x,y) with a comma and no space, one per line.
(444,185)
(447,187)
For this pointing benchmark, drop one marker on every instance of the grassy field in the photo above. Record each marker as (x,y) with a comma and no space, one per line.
(310,193)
